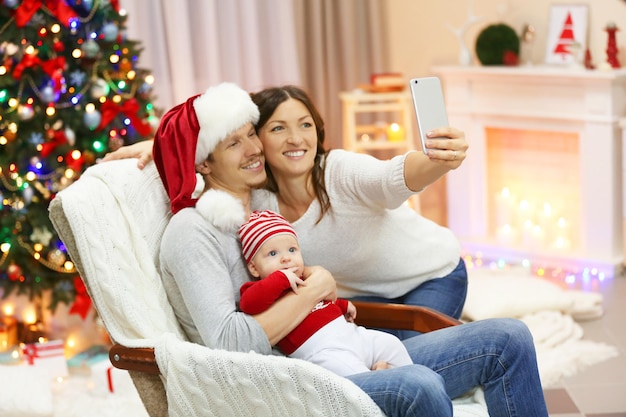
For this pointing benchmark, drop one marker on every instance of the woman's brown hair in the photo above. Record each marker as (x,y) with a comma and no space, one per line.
(267,101)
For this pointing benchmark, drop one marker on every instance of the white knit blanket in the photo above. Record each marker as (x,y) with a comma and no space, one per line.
(118,214)
(126,288)
(561,349)
(222,383)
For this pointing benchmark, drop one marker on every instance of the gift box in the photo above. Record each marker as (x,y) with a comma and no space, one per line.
(94,364)
(11,356)
(82,362)
(48,355)
(390,81)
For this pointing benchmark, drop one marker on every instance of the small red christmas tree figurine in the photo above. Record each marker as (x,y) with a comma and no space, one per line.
(611,48)
(566,39)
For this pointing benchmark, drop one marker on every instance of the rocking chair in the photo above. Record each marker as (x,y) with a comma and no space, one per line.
(111,221)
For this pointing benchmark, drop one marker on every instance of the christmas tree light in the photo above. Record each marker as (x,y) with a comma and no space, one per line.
(70,91)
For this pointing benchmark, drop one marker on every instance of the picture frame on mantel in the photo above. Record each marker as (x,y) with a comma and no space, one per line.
(567,34)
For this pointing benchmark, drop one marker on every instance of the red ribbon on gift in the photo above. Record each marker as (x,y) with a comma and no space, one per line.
(82,302)
(58,139)
(58,8)
(50,66)
(30,352)
(110,110)
(110,378)
(40,350)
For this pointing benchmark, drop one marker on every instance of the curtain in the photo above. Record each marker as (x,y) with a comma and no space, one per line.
(324,46)
(340,44)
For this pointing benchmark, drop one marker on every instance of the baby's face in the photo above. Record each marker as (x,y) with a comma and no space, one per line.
(278,252)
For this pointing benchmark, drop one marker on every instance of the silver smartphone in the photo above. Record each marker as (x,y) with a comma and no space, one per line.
(429,105)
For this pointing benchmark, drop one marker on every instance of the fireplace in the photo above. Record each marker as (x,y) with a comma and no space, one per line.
(542,182)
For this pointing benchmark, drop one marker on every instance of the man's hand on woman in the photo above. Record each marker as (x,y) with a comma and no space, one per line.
(140,150)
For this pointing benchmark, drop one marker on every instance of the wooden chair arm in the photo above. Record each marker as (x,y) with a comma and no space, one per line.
(401,317)
(134,359)
(374,315)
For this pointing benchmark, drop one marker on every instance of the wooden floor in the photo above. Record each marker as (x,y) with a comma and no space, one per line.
(599,391)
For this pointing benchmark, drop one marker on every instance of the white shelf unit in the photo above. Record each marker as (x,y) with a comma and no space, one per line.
(395,106)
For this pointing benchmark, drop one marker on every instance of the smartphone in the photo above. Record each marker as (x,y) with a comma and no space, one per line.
(429,105)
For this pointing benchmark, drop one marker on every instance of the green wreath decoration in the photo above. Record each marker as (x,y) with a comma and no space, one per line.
(497,44)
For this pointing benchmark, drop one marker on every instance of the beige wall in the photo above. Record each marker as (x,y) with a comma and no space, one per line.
(419,37)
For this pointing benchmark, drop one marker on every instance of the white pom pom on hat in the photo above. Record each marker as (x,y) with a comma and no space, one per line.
(221,110)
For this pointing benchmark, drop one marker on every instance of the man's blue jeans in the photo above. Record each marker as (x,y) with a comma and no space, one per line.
(497,354)
(446,294)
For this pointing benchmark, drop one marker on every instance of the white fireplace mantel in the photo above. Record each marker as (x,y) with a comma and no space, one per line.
(588,104)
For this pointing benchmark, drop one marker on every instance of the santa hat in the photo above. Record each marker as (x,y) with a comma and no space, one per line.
(190,131)
(261,226)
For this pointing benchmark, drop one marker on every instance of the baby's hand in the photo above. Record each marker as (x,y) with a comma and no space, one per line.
(351,313)
(294,280)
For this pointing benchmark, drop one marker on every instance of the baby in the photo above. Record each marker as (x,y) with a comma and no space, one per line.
(327,336)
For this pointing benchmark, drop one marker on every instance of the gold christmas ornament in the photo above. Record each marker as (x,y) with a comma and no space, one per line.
(56,257)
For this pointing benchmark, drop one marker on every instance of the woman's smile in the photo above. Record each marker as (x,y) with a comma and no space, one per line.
(295,154)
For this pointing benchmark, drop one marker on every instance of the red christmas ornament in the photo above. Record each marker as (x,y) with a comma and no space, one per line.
(115,4)
(510,58)
(14,272)
(74,160)
(8,62)
(58,46)
(82,302)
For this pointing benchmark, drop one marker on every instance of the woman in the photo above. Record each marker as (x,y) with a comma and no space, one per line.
(345,203)
(202,270)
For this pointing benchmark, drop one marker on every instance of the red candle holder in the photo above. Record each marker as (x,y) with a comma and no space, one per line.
(611,48)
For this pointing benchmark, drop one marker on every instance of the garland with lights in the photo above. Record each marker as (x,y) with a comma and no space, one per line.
(70,91)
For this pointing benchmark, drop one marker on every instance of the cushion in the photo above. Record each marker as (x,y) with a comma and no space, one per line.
(511,292)
(29,393)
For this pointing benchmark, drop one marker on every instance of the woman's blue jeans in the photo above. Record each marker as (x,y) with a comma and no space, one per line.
(446,294)
(497,354)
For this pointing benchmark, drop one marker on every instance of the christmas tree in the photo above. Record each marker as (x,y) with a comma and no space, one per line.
(70,91)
